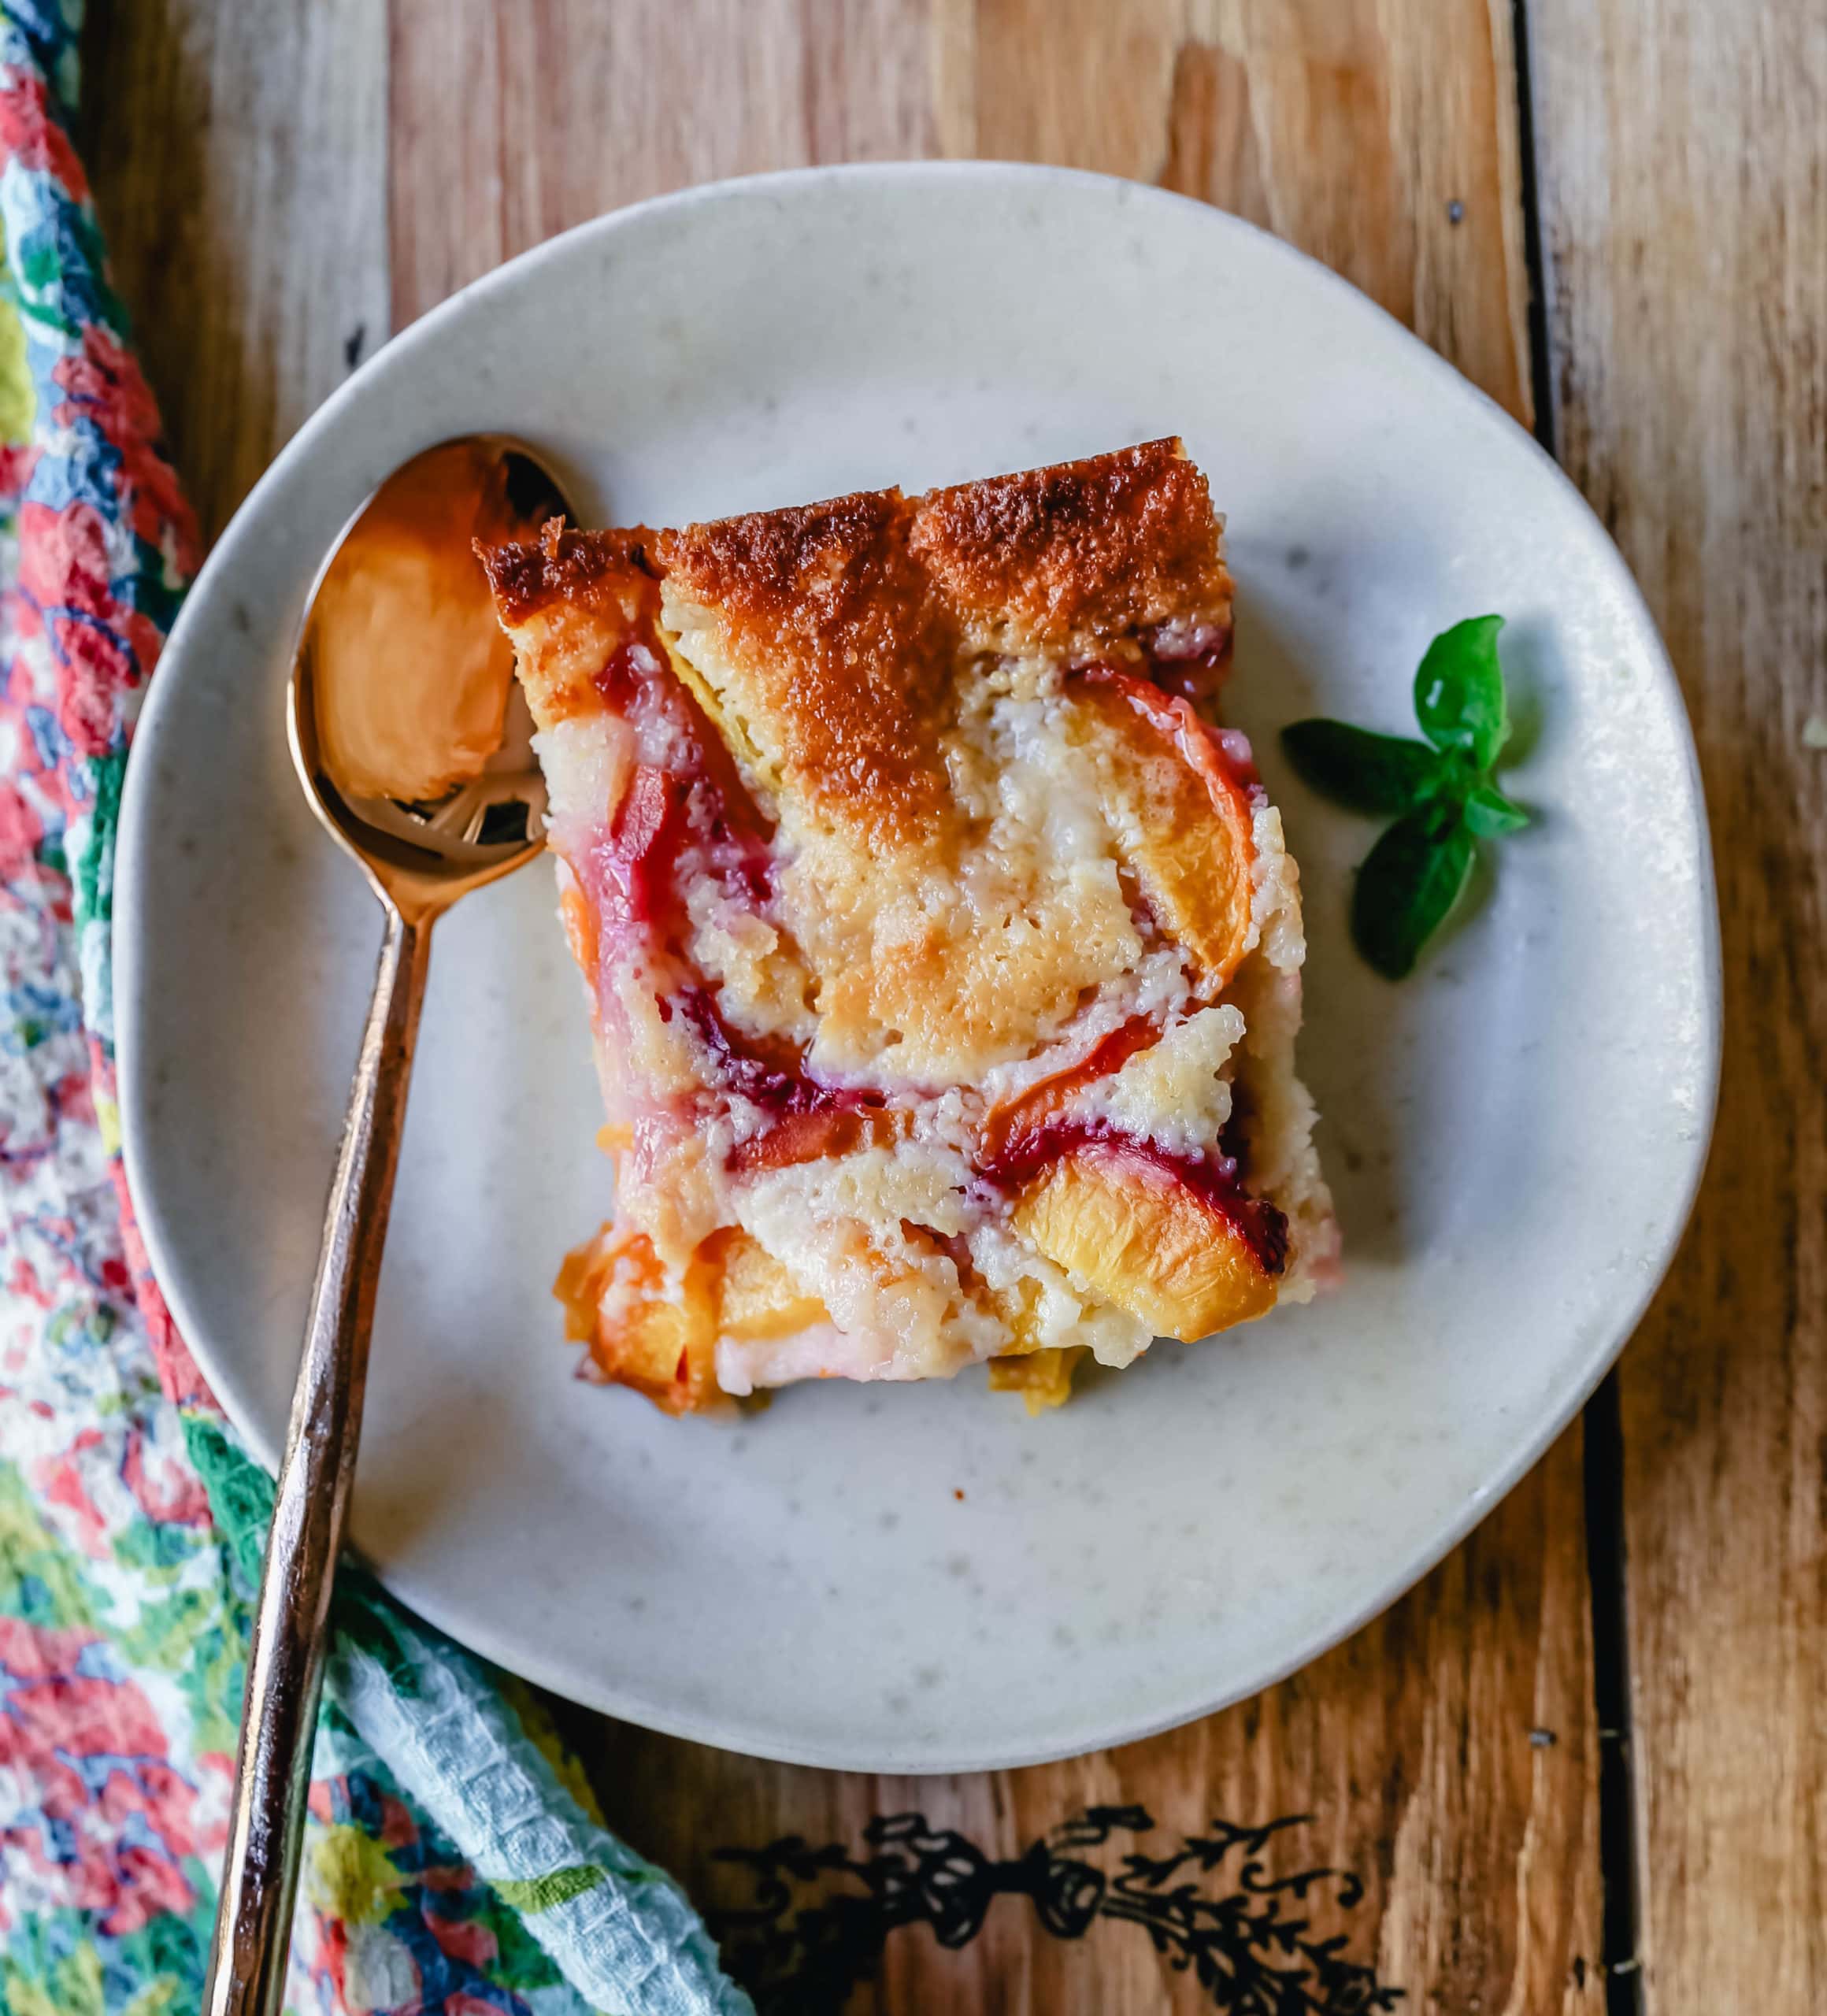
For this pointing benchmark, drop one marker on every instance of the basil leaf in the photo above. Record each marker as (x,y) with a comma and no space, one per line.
(1458,690)
(1491,815)
(1367,773)
(1409,881)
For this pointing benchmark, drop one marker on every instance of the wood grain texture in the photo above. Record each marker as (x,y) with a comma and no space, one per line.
(237,153)
(513,121)
(1353,128)
(1684,219)
(1382,136)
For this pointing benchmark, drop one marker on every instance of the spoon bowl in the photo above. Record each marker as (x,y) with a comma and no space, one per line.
(422,853)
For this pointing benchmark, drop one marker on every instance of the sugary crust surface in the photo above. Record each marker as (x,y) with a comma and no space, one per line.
(847,618)
(567,599)
(1058,558)
(588,569)
(840,650)
(876,663)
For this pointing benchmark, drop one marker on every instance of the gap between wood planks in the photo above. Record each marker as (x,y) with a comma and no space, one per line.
(1602,1427)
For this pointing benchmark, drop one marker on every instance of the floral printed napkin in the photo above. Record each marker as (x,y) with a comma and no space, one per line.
(454,1861)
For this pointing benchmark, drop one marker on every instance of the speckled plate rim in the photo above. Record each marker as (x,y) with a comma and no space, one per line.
(138,861)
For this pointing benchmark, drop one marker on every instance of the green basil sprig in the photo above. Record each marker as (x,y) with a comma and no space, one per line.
(1441,793)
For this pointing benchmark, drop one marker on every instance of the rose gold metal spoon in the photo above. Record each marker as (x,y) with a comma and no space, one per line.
(414,748)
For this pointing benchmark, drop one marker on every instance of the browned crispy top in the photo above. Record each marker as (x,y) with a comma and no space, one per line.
(843,652)
(527,575)
(1081,551)
(568,599)
(841,628)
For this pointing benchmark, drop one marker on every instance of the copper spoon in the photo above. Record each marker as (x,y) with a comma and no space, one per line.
(409,758)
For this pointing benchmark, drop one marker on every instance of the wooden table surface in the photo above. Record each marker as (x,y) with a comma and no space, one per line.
(1581,1767)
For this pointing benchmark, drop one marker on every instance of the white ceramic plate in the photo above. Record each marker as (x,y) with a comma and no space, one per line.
(923,1579)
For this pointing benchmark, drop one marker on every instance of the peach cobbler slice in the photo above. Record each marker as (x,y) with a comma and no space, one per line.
(942,953)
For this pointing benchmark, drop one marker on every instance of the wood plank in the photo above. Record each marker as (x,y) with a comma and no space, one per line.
(1685,223)
(238,157)
(1353,130)
(584,109)
(1383,137)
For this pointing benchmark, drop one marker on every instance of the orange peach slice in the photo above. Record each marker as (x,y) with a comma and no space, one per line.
(809,1137)
(756,1297)
(665,1346)
(579,924)
(614,1293)
(1144,1239)
(1188,832)
(1041,1373)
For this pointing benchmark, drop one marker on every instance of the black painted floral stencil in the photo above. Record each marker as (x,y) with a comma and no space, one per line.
(821,1917)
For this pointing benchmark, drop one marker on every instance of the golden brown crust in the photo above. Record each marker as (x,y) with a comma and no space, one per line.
(843,655)
(1082,551)
(528,575)
(850,654)
(844,621)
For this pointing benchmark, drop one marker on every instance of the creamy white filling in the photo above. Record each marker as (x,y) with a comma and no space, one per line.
(1059,1313)
(1275,918)
(820,1351)
(840,1228)
(586,760)
(1155,987)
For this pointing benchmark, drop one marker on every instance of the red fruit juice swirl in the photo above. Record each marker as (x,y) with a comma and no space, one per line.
(770,1076)
(677,821)
(694,805)
(694,815)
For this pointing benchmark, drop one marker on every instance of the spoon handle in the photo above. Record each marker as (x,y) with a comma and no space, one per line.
(285,1659)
